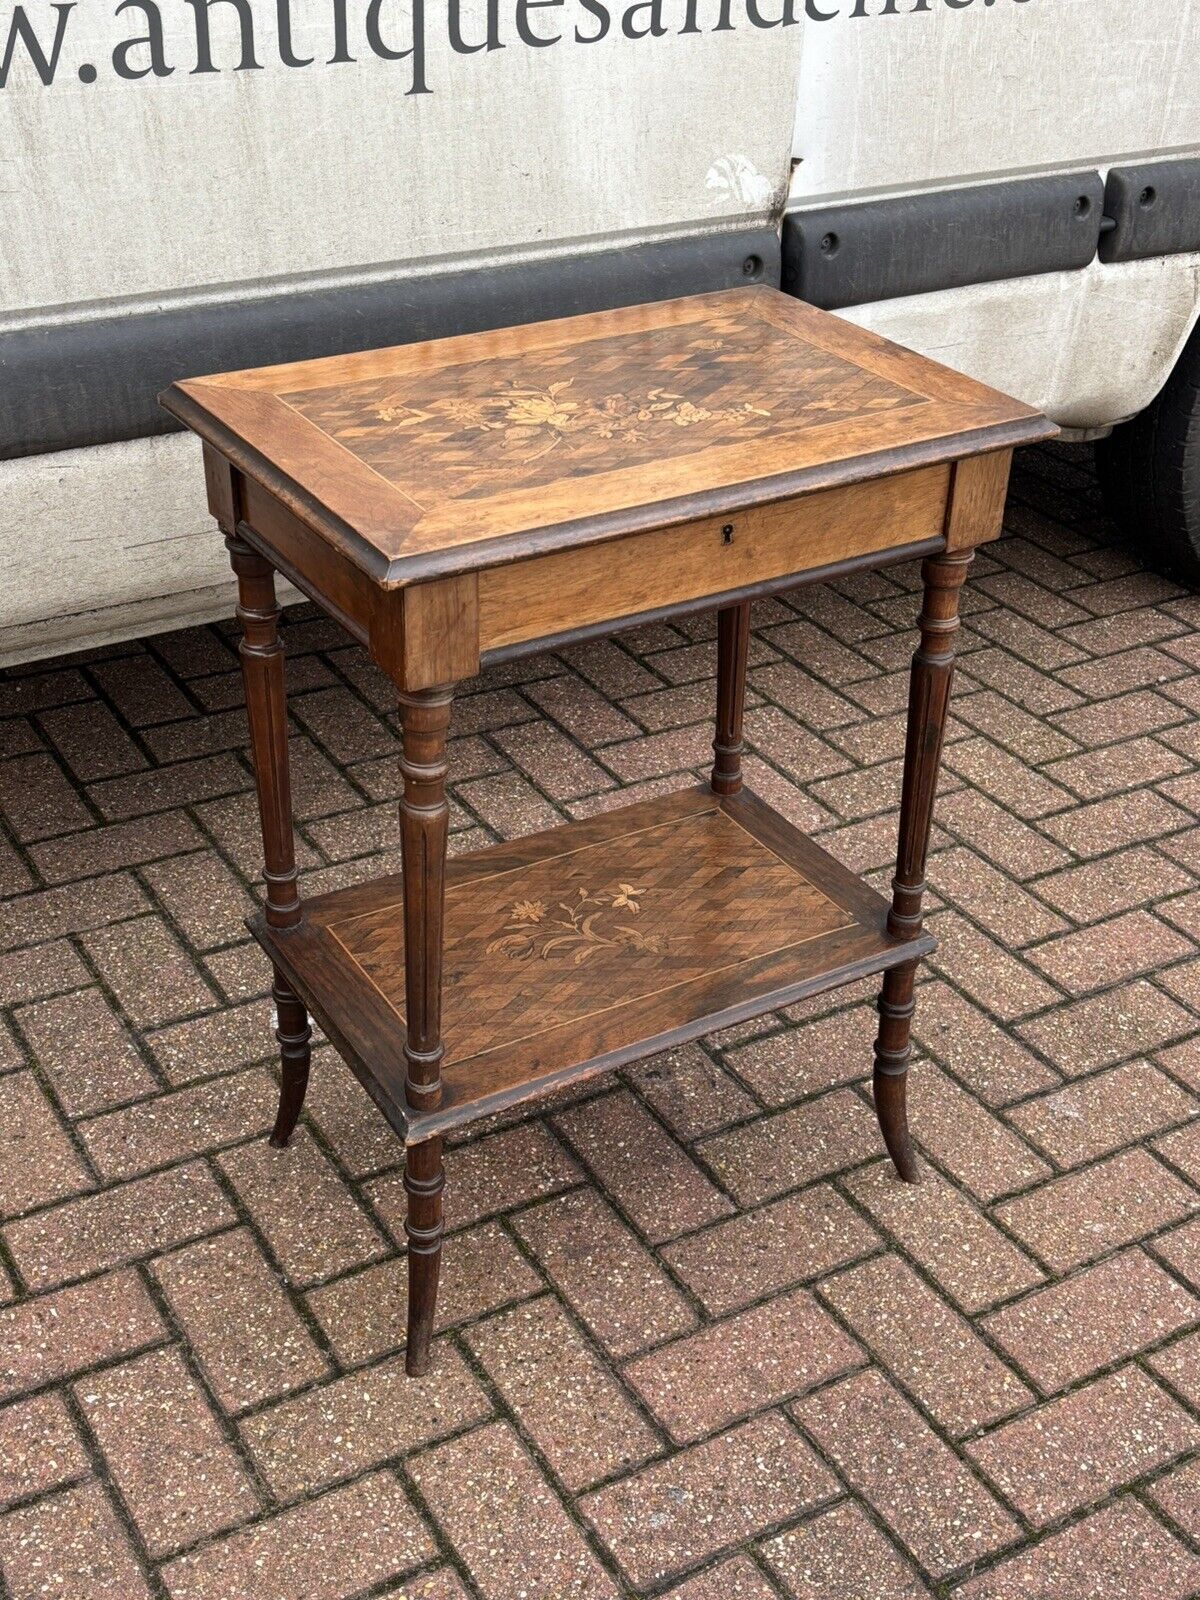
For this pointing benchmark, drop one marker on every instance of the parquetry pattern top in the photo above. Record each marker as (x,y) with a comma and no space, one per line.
(570,937)
(433,458)
(574,409)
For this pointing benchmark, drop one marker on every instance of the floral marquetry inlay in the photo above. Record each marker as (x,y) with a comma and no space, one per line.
(545,418)
(576,929)
(583,407)
(575,935)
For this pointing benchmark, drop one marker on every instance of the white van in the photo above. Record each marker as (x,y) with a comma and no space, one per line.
(187,186)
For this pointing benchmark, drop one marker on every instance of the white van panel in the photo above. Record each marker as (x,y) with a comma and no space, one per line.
(135,550)
(953,95)
(229,178)
(234,184)
(1088,348)
(922,99)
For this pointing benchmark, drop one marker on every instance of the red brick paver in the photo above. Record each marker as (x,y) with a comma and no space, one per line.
(695,1340)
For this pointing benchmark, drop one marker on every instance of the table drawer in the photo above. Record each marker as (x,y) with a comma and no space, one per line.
(548,595)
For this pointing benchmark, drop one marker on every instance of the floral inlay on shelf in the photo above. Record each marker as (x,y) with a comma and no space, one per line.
(583,928)
(543,418)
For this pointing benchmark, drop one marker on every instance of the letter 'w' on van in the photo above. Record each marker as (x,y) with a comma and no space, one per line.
(274,180)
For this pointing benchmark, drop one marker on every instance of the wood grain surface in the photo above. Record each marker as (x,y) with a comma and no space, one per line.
(431,459)
(598,942)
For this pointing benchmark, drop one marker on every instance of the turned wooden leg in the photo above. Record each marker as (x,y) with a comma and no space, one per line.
(733,640)
(928,699)
(424,825)
(293,1032)
(893,1048)
(266,710)
(423,1182)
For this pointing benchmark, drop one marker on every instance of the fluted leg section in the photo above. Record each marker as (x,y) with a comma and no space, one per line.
(733,640)
(424,824)
(928,700)
(293,1032)
(261,655)
(423,1182)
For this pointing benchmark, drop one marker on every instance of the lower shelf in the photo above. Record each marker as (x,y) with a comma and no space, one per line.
(596,944)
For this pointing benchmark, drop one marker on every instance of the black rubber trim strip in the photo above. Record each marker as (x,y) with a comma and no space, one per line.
(852,254)
(1155,209)
(94,382)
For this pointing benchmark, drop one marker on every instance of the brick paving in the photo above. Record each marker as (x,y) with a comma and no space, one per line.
(696,1340)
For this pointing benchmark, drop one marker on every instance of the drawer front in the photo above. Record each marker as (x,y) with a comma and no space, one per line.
(553,594)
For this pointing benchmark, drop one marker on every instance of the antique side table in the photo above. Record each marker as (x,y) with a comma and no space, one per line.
(473,499)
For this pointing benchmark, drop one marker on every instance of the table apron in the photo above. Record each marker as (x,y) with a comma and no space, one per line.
(734,555)
(711,602)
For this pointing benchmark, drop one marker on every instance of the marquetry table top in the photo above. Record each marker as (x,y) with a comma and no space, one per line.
(446,457)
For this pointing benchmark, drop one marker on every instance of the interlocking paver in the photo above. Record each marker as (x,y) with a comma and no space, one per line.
(245,1332)
(672,1515)
(925,1344)
(833,1050)
(39,1448)
(988,973)
(495,1173)
(658,1186)
(690,1092)
(1178,1493)
(951,1239)
(123,1143)
(841,1555)
(1180,1249)
(362,1314)
(1116,883)
(208,902)
(1095,1115)
(576,1411)
(85,1051)
(1077,1449)
(486,1482)
(53,1336)
(1183,1149)
(122,844)
(1076,1218)
(977,1051)
(746,1363)
(773,1248)
(40,970)
(1105,1028)
(971,1142)
(783,1151)
(308,1216)
(214,1043)
(69,1547)
(339,1429)
(36,800)
(916,1483)
(326,1549)
(1118,1552)
(587,1252)
(1110,952)
(737,1579)
(120,1224)
(636,1268)
(441,1585)
(1071,1329)
(146,968)
(38,1162)
(168,1456)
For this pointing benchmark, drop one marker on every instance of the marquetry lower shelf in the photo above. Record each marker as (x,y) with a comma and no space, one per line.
(577,950)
